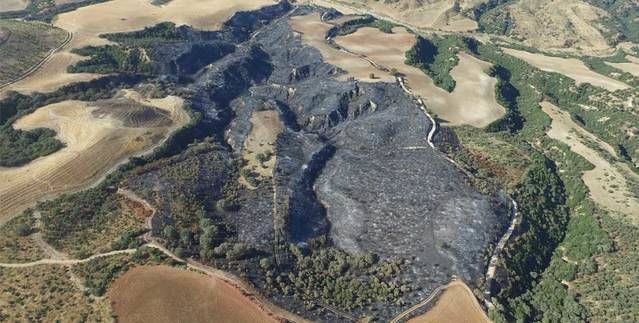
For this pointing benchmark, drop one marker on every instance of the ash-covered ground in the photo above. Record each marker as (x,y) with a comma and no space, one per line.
(353,162)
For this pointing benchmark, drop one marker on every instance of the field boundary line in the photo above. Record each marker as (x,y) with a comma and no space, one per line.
(36,67)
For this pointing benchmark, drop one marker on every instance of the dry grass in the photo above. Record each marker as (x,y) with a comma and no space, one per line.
(167,294)
(437,14)
(631,67)
(46,294)
(472,102)
(568,25)
(313,33)
(25,44)
(266,126)
(87,23)
(12,5)
(16,248)
(456,304)
(94,145)
(571,67)
(606,182)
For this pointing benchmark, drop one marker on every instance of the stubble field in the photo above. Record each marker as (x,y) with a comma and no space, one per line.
(97,139)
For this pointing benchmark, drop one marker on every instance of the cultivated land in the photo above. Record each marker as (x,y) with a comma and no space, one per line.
(436,14)
(313,33)
(472,101)
(98,136)
(12,5)
(166,294)
(456,304)
(23,45)
(607,181)
(571,67)
(87,23)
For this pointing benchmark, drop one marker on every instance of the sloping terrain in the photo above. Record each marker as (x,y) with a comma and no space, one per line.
(98,136)
(25,44)
(472,101)
(87,23)
(570,67)
(572,25)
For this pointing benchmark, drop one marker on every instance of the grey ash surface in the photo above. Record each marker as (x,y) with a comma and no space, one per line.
(353,161)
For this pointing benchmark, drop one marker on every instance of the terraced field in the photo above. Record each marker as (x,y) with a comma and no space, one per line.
(98,136)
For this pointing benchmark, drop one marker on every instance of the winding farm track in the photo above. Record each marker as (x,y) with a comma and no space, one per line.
(36,67)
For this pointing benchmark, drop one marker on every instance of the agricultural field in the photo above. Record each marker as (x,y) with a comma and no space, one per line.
(12,5)
(98,136)
(24,45)
(88,23)
(166,294)
(313,33)
(472,102)
(571,67)
(609,182)
(456,304)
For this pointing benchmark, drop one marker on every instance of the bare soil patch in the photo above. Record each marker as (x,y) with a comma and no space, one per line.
(95,143)
(313,33)
(167,294)
(570,67)
(12,5)
(456,304)
(87,23)
(607,182)
(266,126)
(472,102)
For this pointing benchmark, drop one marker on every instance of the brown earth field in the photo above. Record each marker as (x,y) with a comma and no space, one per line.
(87,23)
(313,33)
(472,102)
(98,136)
(607,182)
(167,294)
(456,304)
(570,67)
